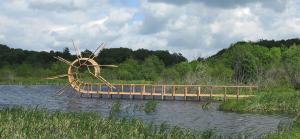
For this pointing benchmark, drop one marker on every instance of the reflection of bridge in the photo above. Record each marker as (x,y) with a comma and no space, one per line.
(194,92)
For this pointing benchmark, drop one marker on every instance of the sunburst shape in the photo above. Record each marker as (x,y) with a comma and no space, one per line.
(82,65)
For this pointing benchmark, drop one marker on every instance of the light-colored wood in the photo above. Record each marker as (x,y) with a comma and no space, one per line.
(225,93)
(87,88)
(174,92)
(199,93)
(144,90)
(210,94)
(185,92)
(238,93)
(163,93)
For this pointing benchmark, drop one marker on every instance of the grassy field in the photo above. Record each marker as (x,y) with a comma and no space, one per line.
(281,101)
(36,123)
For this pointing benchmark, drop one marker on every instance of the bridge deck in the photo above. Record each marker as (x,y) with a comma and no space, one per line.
(195,91)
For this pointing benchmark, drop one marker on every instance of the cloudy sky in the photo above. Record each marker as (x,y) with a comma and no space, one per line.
(192,27)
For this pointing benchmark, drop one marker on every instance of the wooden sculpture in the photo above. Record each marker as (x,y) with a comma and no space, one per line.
(79,63)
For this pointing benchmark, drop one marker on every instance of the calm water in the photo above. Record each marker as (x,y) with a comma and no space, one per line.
(178,113)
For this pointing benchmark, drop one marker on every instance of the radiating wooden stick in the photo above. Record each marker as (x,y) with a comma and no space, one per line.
(77,51)
(115,66)
(62,90)
(102,79)
(64,61)
(57,76)
(96,53)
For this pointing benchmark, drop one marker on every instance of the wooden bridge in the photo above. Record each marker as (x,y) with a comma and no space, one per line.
(187,92)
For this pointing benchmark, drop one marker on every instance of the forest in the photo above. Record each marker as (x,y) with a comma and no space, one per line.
(267,63)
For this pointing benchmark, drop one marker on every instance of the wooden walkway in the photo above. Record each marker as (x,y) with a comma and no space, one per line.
(194,92)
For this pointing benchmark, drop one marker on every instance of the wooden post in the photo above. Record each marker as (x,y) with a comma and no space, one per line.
(225,93)
(144,90)
(163,92)
(122,90)
(133,88)
(91,86)
(97,86)
(79,90)
(118,92)
(173,94)
(130,95)
(153,91)
(100,87)
(110,90)
(185,92)
(238,93)
(210,95)
(87,86)
(199,93)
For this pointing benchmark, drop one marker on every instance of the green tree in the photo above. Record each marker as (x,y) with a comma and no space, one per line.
(152,68)
(291,61)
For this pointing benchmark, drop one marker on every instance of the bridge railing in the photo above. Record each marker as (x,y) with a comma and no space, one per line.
(185,91)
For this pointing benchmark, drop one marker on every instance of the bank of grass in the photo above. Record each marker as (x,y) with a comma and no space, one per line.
(281,101)
(36,123)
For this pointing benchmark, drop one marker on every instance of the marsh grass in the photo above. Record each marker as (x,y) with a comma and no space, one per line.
(282,101)
(150,106)
(273,101)
(206,105)
(39,123)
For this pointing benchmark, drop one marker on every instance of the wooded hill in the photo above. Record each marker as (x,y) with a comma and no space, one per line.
(267,63)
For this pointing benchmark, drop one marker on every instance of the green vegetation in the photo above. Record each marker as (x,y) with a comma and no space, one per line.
(272,101)
(265,63)
(150,106)
(282,101)
(34,123)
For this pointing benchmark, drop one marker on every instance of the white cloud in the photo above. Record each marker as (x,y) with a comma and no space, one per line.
(191,27)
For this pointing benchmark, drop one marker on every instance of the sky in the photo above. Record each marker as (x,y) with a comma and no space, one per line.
(191,27)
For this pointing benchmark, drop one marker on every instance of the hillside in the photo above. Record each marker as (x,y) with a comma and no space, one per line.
(266,63)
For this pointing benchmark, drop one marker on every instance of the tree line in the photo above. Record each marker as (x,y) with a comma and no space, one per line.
(12,56)
(265,63)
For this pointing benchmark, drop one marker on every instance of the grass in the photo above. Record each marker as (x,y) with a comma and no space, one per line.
(37,123)
(282,101)
(150,106)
